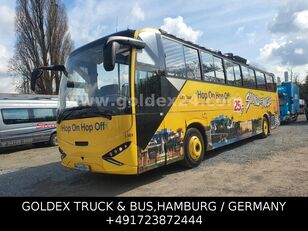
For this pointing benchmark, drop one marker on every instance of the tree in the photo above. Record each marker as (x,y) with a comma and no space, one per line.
(42,39)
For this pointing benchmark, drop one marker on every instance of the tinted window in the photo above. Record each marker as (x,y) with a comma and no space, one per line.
(151,54)
(260,80)
(212,68)
(237,73)
(269,82)
(15,116)
(219,70)
(275,84)
(175,64)
(248,78)
(230,72)
(192,63)
(208,67)
(148,87)
(44,114)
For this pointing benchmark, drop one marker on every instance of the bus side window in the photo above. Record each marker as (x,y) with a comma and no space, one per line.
(219,70)
(208,67)
(261,84)
(275,84)
(174,55)
(212,68)
(230,72)
(192,63)
(237,73)
(248,77)
(269,83)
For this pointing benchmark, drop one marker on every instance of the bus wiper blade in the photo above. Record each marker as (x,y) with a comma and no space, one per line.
(104,113)
(91,109)
(67,112)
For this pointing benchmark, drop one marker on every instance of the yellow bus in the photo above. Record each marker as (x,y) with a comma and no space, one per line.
(139,99)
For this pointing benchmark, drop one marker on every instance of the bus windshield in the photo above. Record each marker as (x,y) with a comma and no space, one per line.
(89,85)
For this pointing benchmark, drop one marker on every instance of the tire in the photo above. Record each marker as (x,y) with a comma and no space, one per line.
(265,128)
(53,141)
(194,148)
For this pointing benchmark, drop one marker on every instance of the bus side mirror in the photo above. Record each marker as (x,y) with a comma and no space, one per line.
(35,75)
(113,45)
(110,51)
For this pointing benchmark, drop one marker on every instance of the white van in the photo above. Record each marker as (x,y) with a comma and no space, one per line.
(27,119)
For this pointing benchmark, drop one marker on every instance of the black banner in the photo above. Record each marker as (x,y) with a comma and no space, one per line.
(162,212)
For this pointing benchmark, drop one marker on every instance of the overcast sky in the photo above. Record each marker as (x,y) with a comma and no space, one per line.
(269,33)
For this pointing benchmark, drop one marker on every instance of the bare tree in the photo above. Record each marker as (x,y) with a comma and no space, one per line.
(42,39)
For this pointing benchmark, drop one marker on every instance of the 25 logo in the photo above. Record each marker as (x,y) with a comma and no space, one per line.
(238,106)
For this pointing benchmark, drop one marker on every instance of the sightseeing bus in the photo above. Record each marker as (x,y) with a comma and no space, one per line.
(140,99)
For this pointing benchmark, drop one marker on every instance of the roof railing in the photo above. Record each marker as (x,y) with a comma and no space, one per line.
(7,96)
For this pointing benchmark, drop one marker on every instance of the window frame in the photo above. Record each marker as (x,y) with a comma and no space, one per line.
(199,63)
(31,118)
(252,70)
(5,120)
(215,75)
(273,83)
(264,78)
(165,56)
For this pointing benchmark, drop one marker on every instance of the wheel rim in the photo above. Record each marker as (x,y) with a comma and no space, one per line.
(265,127)
(195,147)
(55,140)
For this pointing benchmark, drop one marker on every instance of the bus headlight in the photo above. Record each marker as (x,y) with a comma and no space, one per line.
(116,151)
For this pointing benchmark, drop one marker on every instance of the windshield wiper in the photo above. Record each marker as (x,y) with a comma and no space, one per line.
(92,109)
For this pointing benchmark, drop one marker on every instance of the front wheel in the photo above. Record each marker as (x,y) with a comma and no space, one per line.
(53,141)
(194,148)
(265,128)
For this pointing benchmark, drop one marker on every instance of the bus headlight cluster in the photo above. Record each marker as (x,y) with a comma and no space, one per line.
(117,150)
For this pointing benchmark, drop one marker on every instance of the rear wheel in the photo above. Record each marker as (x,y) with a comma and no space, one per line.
(53,141)
(265,128)
(194,148)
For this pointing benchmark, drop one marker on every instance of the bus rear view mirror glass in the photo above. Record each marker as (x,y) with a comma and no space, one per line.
(35,75)
(110,51)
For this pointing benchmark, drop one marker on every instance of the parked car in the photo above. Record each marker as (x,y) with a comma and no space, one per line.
(27,119)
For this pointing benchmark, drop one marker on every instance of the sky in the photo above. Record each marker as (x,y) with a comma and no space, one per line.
(271,34)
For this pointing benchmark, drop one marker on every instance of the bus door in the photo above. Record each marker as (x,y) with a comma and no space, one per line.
(149,107)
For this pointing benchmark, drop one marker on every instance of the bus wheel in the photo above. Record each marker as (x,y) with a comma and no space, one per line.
(53,141)
(265,128)
(193,147)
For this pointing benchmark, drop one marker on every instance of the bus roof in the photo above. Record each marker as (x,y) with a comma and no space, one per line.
(130,33)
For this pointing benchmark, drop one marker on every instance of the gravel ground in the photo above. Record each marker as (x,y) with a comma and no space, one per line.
(275,166)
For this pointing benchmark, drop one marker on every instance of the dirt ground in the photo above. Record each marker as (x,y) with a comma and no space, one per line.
(275,166)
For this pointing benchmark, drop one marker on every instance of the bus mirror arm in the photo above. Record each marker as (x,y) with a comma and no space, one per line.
(38,72)
(112,46)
